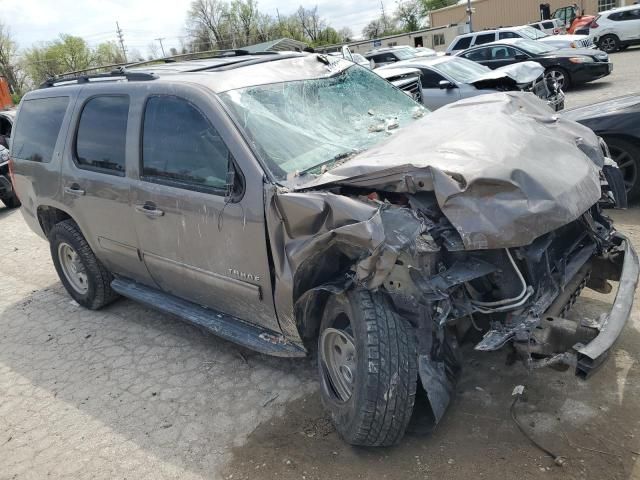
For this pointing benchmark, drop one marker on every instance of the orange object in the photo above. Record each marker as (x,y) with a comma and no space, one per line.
(581,22)
(5,94)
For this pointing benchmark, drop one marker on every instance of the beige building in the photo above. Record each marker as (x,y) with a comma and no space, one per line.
(437,38)
(497,13)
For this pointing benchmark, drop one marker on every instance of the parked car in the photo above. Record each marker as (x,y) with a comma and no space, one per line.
(449,79)
(567,67)
(406,78)
(7,193)
(360,60)
(553,26)
(285,201)
(616,29)
(388,55)
(463,42)
(618,122)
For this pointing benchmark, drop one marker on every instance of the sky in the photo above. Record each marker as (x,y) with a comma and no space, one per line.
(142,21)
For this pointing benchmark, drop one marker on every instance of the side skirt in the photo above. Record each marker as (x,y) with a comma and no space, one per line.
(223,325)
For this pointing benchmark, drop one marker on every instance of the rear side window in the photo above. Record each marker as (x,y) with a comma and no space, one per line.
(485,38)
(102,132)
(38,127)
(504,35)
(534,25)
(548,25)
(180,147)
(464,42)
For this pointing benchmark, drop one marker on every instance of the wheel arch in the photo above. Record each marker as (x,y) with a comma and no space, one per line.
(48,216)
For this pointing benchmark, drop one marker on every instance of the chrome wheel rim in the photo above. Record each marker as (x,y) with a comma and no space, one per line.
(73,269)
(557,77)
(627,166)
(338,355)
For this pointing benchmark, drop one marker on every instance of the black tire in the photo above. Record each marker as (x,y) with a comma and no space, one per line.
(627,156)
(556,73)
(98,279)
(384,388)
(609,43)
(12,201)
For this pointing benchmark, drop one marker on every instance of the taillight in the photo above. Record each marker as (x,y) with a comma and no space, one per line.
(594,23)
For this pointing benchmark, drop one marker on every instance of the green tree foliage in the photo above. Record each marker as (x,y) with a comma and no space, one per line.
(10,65)
(429,5)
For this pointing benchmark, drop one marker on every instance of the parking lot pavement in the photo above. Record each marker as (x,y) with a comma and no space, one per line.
(624,79)
(129,393)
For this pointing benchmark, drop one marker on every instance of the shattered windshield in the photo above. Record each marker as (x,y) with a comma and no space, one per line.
(307,125)
(532,33)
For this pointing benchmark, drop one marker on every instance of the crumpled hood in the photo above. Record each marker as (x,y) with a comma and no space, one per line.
(504,168)
(523,72)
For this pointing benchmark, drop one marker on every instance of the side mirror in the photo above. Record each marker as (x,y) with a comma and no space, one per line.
(445,85)
(521,56)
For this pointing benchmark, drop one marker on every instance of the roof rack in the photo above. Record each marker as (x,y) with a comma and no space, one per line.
(115,74)
(119,69)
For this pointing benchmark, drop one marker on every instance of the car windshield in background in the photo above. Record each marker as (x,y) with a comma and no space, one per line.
(531,46)
(404,53)
(461,69)
(532,33)
(296,126)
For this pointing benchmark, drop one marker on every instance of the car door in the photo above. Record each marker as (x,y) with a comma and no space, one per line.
(199,205)
(96,180)
(630,24)
(433,96)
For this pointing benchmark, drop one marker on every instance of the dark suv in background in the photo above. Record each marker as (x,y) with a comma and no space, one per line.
(294,203)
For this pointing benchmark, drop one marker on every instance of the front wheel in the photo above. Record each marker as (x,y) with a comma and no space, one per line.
(368,368)
(560,76)
(627,156)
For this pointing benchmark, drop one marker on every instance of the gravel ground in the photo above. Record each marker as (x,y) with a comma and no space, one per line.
(129,393)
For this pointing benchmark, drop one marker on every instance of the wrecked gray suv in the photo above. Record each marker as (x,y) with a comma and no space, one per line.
(294,202)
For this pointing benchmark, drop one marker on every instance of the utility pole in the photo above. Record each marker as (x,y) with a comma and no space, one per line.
(470,13)
(121,40)
(161,46)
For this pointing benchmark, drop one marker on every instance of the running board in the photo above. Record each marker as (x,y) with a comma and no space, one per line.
(220,324)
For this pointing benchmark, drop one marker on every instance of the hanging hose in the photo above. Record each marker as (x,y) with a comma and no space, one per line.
(517,393)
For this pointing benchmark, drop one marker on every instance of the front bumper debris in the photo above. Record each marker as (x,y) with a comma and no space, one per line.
(591,355)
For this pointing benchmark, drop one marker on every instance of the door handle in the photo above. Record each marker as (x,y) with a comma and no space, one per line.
(74,189)
(149,210)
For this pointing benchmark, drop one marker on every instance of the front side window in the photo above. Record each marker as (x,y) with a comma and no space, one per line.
(180,147)
(39,123)
(478,55)
(102,133)
(504,35)
(301,125)
(430,79)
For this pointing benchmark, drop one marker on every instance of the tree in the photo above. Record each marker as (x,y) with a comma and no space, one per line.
(108,53)
(346,35)
(429,5)
(65,54)
(409,13)
(206,17)
(245,12)
(154,50)
(9,64)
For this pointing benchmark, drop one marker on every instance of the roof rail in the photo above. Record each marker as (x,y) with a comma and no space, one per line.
(171,59)
(115,74)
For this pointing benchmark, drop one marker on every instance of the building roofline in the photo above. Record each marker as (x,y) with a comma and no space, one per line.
(422,30)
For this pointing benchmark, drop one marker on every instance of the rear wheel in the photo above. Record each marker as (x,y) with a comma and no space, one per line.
(81,273)
(627,156)
(609,43)
(560,76)
(368,368)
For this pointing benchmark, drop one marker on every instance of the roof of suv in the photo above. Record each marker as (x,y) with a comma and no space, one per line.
(619,9)
(221,74)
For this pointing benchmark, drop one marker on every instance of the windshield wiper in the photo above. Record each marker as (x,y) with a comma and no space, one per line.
(336,158)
